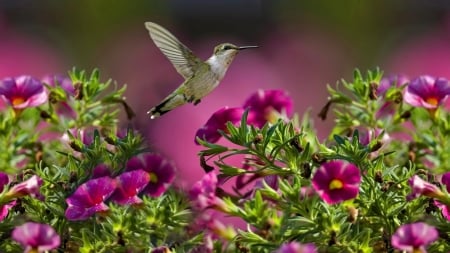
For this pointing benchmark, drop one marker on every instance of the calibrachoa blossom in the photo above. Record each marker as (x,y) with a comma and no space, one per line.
(28,187)
(264,106)
(209,132)
(89,198)
(445,210)
(414,237)
(337,181)
(268,106)
(203,193)
(36,237)
(395,81)
(421,187)
(427,92)
(295,247)
(23,92)
(62,108)
(161,170)
(129,185)
(4,209)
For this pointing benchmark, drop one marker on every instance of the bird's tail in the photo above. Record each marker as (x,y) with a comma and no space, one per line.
(169,103)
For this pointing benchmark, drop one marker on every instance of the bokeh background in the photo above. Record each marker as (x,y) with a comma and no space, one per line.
(303,46)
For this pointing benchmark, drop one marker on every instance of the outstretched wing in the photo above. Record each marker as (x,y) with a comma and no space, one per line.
(182,58)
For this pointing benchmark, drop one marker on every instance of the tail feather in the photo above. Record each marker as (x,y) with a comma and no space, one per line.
(168,104)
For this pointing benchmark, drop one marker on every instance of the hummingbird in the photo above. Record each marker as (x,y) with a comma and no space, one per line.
(200,77)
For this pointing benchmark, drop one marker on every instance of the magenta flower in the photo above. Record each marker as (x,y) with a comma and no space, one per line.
(389,106)
(129,185)
(62,108)
(209,132)
(4,209)
(414,237)
(60,80)
(36,237)
(337,181)
(162,172)
(203,193)
(264,106)
(23,92)
(295,247)
(427,92)
(89,198)
(28,187)
(445,180)
(268,106)
(445,210)
(4,180)
(423,188)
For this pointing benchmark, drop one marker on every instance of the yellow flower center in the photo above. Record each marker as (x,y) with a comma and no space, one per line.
(432,101)
(336,184)
(17,100)
(153,177)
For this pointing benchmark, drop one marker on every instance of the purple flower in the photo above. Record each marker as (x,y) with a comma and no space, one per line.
(337,181)
(268,106)
(23,92)
(28,187)
(203,193)
(209,132)
(4,209)
(427,92)
(264,106)
(161,249)
(4,180)
(423,188)
(63,108)
(162,172)
(395,81)
(36,237)
(60,80)
(129,185)
(414,237)
(295,247)
(445,210)
(445,180)
(89,198)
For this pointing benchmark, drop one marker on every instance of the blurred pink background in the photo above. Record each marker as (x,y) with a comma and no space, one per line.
(303,47)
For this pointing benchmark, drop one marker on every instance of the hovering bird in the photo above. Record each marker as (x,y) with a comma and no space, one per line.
(200,77)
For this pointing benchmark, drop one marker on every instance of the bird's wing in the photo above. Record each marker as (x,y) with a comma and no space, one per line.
(182,58)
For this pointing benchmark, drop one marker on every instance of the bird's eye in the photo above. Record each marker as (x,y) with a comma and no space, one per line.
(226,47)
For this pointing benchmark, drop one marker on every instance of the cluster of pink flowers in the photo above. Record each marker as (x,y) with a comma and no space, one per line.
(263,106)
(148,174)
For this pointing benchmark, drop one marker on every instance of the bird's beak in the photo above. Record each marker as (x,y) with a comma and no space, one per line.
(247,47)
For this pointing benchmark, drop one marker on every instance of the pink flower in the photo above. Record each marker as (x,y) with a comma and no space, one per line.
(264,106)
(268,106)
(29,187)
(129,185)
(89,198)
(23,92)
(423,188)
(218,121)
(36,237)
(427,92)
(61,101)
(295,247)
(4,209)
(162,172)
(203,193)
(414,237)
(337,181)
